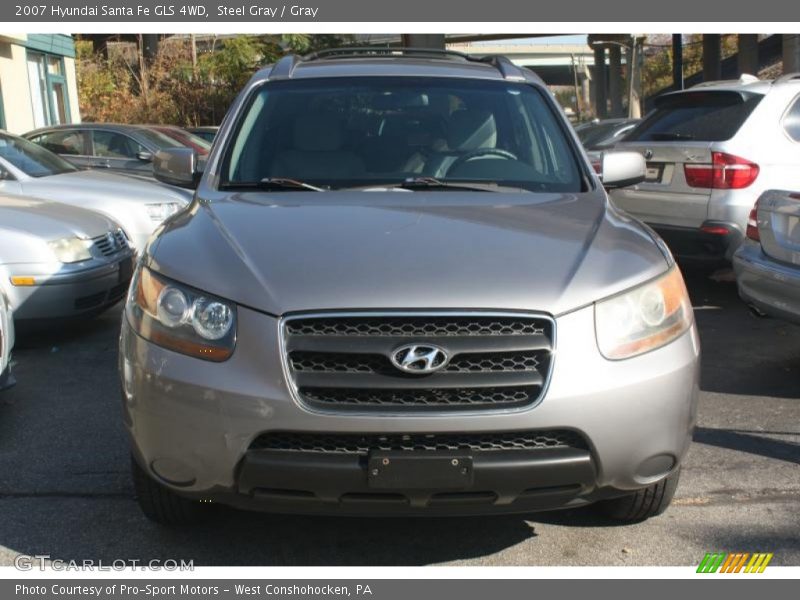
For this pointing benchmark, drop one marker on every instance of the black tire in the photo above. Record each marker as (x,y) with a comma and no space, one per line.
(161,505)
(643,504)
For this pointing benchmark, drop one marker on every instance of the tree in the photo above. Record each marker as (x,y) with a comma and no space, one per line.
(180,86)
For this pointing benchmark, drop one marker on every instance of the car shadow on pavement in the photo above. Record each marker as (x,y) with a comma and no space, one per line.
(113,529)
(751,442)
(742,354)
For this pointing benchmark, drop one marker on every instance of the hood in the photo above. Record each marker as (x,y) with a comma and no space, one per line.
(300,251)
(50,220)
(107,186)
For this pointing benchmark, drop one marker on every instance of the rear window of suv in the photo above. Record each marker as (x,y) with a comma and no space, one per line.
(704,116)
(364,131)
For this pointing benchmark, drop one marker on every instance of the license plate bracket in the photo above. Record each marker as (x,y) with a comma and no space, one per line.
(419,471)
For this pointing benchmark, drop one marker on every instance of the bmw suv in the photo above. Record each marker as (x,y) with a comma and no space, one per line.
(401,289)
(711,151)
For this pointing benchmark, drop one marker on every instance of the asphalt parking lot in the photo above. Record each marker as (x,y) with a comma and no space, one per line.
(65,490)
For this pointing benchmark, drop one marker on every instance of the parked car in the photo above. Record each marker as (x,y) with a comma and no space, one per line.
(137,204)
(339,331)
(183,137)
(6,343)
(207,132)
(107,146)
(711,152)
(59,261)
(602,135)
(767,264)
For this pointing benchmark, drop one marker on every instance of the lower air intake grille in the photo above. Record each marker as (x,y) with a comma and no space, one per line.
(329,443)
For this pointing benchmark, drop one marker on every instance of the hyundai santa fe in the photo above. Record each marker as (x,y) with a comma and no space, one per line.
(401,289)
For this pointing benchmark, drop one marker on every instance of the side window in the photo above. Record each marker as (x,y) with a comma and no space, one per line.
(62,142)
(108,144)
(791,122)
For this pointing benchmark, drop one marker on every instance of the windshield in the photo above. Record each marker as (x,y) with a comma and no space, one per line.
(32,159)
(349,132)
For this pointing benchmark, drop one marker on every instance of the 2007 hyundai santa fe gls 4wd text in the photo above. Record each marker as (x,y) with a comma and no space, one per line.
(401,289)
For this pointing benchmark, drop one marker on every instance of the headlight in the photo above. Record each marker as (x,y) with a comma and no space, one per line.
(181,318)
(70,250)
(159,212)
(644,318)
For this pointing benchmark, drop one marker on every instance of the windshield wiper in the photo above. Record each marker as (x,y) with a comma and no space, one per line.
(428,183)
(273,183)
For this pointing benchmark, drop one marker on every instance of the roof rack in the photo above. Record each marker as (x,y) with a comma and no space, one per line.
(507,68)
(381,51)
(284,68)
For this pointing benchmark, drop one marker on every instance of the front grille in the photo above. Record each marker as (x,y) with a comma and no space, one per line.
(363,444)
(345,362)
(420,326)
(110,243)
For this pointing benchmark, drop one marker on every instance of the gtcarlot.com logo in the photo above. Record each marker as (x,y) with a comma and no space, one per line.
(25,562)
(734,562)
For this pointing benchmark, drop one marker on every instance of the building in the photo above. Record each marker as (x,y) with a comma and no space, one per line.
(38,86)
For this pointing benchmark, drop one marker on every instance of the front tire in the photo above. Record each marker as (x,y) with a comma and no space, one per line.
(162,505)
(643,504)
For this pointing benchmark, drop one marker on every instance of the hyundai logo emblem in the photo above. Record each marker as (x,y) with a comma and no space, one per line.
(419,358)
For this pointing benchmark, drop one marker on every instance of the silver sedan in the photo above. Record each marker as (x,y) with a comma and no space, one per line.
(137,204)
(60,261)
(767,264)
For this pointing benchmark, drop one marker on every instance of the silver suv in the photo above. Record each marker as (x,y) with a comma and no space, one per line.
(401,289)
(711,151)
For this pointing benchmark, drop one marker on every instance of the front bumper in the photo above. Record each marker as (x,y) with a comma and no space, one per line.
(70,293)
(193,429)
(770,286)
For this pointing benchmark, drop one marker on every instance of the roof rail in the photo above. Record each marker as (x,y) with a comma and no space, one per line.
(284,68)
(503,64)
(381,51)
(787,77)
(507,68)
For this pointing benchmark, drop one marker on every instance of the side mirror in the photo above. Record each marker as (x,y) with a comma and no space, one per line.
(176,166)
(145,156)
(621,169)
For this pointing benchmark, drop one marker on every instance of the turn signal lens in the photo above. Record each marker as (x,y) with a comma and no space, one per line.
(23,281)
(644,318)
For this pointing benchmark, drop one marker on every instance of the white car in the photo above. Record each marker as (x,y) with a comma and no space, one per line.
(6,342)
(139,206)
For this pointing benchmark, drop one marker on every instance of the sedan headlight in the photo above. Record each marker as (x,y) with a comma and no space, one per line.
(181,318)
(70,250)
(159,212)
(644,318)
